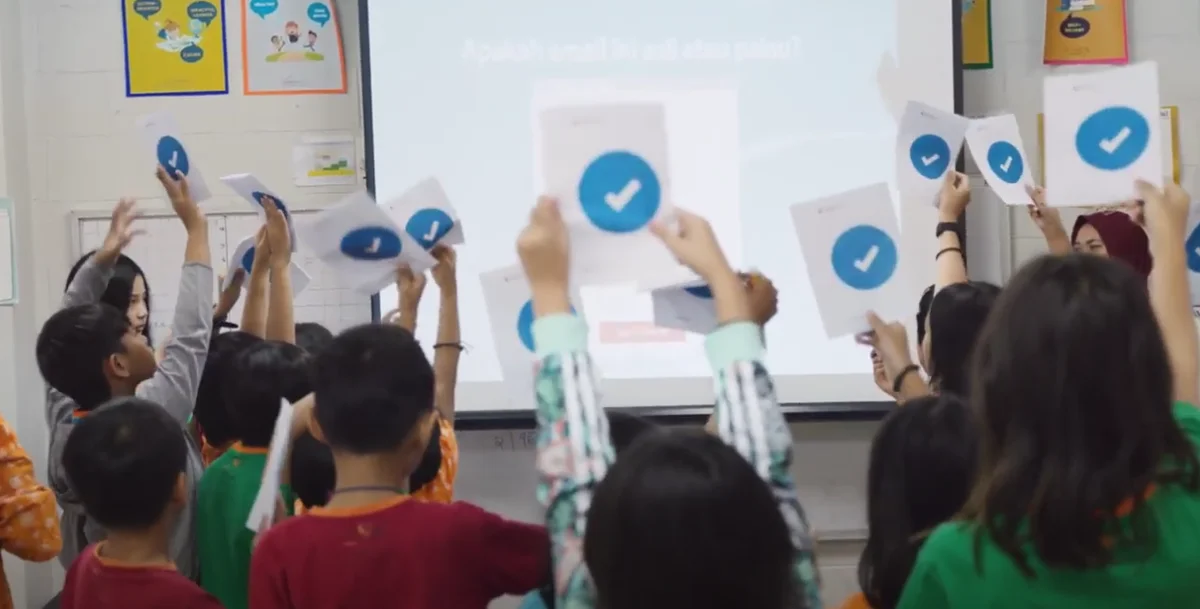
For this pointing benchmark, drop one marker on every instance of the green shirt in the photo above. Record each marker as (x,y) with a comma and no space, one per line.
(223,542)
(946,577)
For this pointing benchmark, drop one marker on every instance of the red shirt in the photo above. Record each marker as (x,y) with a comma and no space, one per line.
(401,553)
(95,582)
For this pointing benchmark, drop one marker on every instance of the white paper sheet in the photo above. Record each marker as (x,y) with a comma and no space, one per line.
(263,509)
(928,141)
(688,307)
(253,190)
(995,144)
(243,258)
(426,214)
(165,142)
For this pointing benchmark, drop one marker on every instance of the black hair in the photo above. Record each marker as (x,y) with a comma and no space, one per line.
(956,317)
(119,291)
(923,312)
(74,345)
(1073,387)
(210,412)
(431,461)
(313,474)
(373,384)
(123,460)
(312,337)
(257,378)
(922,466)
(659,535)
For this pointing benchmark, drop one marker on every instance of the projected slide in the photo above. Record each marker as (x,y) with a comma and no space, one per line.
(767,104)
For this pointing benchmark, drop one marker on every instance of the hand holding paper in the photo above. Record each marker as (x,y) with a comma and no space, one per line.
(254,192)
(927,146)
(163,137)
(427,215)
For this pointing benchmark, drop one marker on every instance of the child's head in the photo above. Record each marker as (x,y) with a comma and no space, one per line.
(683,520)
(1073,388)
(210,412)
(374,394)
(922,316)
(313,337)
(258,377)
(126,462)
(922,465)
(91,353)
(313,476)
(127,291)
(956,316)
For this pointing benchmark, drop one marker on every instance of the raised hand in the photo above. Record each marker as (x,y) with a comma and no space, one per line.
(411,285)
(445,273)
(890,342)
(279,240)
(120,232)
(694,245)
(185,207)
(764,298)
(544,250)
(953,199)
(230,295)
(1165,212)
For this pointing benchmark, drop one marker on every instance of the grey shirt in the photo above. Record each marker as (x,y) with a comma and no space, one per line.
(173,387)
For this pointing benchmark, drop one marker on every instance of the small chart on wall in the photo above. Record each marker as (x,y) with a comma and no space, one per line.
(291,47)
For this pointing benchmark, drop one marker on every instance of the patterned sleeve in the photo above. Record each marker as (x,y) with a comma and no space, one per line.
(749,419)
(573,450)
(28,512)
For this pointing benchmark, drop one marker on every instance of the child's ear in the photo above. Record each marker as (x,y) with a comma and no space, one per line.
(116,366)
(179,494)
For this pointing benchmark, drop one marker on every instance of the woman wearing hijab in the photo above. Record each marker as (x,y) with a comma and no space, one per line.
(1111,233)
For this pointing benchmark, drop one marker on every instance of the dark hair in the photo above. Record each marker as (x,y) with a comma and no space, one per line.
(119,291)
(922,466)
(124,460)
(210,412)
(373,385)
(1074,390)
(74,345)
(257,378)
(312,337)
(431,461)
(659,534)
(923,312)
(956,316)
(313,475)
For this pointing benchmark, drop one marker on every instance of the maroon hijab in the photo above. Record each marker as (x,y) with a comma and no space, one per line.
(1123,238)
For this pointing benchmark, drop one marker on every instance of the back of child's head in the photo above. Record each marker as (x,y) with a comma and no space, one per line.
(957,313)
(374,392)
(313,476)
(922,465)
(682,520)
(126,463)
(312,337)
(80,348)
(210,412)
(259,376)
(1073,387)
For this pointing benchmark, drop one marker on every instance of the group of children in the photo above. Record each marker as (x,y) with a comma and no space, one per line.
(1043,454)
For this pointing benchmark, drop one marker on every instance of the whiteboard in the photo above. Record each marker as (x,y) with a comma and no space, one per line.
(160,254)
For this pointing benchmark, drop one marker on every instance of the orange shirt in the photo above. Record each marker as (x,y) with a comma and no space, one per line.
(28,512)
(856,601)
(441,488)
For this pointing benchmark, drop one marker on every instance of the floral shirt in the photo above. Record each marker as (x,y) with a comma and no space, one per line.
(574,449)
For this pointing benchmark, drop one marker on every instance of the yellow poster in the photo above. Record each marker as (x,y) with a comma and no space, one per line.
(175,47)
(977,34)
(1086,32)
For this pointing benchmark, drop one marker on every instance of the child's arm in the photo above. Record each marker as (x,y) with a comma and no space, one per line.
(174,384)
(448,347)
(254,312)
(281,324)
(410,288)
(28,512)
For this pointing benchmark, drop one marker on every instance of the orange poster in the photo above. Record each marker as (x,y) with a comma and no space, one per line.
(1086,32)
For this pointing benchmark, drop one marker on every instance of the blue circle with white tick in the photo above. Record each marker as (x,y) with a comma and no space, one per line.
(1193,250)
(1006,162)
(864,257)
(428,226)
(930,156)
(699,291)
(259,196)
(1113,138)
(619,192)
(371,243)
(248,260)
(172,156)
(525,325)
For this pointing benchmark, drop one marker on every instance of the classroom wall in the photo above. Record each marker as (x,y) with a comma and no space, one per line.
(67,142)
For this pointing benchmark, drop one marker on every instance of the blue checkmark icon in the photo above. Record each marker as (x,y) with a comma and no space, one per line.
(619,192)
(864,257)
(371,243)
(428,226)
(1113,138)
(172,156)
(248,260)
(1193,250)
(1005,161)
(700,291)
(930,156)
(525,325)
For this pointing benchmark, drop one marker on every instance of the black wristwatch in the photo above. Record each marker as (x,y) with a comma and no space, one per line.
(947,226)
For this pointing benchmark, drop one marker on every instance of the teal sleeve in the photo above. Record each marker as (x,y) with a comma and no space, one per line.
(735,342)
(559,333)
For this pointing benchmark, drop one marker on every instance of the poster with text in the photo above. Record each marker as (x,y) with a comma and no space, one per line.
(1086,32)
(291,47)
(175,47)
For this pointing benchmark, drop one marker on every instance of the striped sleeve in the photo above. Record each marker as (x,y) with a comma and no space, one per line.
(749,419)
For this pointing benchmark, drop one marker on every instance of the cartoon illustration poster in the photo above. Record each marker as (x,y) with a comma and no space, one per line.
(175,47)
(1086,32)
(291,47)
(977,34)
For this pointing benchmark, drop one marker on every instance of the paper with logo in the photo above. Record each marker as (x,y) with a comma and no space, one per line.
(995,144)
(426,214)
(165,143)
(688,307)
(1086,32)
(173,47)
(243,258)
(253,191)
(928,141)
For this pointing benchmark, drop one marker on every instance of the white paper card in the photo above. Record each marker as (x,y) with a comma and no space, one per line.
(510,313)
(166,145)
(243,258)
(263,509)
(607,166)
(426,214)
(927,145)
(850,242)
(1102,133)
(689,307)
(995,144)
(361,245)
(253,190)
